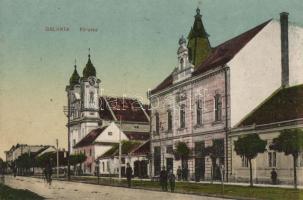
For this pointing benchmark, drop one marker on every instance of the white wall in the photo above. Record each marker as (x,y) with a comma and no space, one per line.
(105,137)
(255,72)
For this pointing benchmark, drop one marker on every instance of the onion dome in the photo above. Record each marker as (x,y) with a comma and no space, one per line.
(89,69)
(182,40)
(75,78)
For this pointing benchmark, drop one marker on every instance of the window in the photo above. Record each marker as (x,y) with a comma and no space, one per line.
(110,133)
(169,120)
(218,107)
(74,142)
(272,159)
(103,167)
(169,149)
(182,63)
(182,116)
(199,111)
(90,152)
(244,162)
(91,97)
(157,123)
(300,163)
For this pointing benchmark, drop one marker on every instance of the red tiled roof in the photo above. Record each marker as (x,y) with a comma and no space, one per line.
(219,55)
(143,149)
(285,104)
(137,135)
(90,137)
(125,108)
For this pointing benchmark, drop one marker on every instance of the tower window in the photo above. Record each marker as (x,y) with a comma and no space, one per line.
(182,63)
(218,107)
(91,97)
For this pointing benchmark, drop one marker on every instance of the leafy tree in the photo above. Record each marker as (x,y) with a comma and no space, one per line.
(290,141)
(214,152)
(24,162)
(77,159)
(248,147)
(182,152)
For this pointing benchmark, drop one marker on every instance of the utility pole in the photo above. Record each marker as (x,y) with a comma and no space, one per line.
(120,148)
(57,148)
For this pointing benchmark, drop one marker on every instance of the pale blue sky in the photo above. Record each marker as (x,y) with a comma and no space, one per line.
(133,50)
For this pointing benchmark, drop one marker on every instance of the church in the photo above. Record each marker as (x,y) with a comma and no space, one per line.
(96,121)
(207,97)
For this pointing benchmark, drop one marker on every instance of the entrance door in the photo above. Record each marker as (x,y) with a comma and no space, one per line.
(169,164)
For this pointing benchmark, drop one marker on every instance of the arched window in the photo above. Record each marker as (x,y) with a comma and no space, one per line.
(218,107)
(182,116)
(199,110)
(169,120)
(91,97)
(182,63)
(157,123)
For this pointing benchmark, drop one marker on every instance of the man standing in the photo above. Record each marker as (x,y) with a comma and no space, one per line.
(172,180)
(129,173)
(163,179)
(274,176)
(179,173)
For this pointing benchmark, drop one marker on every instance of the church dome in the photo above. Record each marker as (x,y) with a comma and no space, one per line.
(75,78)
(89,69)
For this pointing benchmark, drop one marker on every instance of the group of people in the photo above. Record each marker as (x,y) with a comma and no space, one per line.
(166,177)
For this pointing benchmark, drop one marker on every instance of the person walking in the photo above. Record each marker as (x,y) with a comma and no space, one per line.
(274,176)
(48,172)
(163,179)
(179,173)
(172,180)
(129,173)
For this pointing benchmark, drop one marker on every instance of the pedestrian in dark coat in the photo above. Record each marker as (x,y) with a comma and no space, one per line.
(179,173)
(129,173)
(163,179)
(172,180)
(274,176)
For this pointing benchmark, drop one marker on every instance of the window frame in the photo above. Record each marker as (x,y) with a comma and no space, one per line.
(182,116)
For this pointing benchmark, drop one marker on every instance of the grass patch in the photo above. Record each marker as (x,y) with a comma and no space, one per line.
(270,193)
(8,193)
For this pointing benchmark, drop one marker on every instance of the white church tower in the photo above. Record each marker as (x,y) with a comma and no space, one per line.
(83,99)
(184,67)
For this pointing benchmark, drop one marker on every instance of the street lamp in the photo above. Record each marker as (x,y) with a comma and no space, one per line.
(67,111)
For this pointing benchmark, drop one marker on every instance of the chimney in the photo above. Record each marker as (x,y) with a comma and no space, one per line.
(284,49)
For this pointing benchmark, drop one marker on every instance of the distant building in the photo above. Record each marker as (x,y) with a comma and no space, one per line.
(282,110)
(93,113)
(136,153)
(19,149)
(200,101)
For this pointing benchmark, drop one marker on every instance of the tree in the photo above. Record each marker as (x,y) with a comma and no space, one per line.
(215,151)
(290,141)
(248,147)
(182,152)
(75,159)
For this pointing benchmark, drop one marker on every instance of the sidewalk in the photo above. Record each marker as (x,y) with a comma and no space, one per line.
(74,190)
(207,182)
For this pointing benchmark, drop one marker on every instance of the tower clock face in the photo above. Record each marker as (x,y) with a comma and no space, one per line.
(91,81)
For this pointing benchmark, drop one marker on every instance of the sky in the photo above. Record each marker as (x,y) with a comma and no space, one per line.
(133,50)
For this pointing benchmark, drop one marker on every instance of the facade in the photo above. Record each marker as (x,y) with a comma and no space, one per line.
(96,143)
(135,153)
(200,104)
(19,149)
(282,110)
(92,113)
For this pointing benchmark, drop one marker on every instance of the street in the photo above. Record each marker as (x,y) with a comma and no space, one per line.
(73,190)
